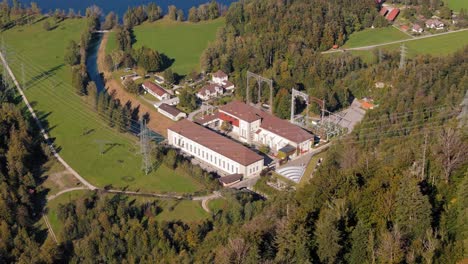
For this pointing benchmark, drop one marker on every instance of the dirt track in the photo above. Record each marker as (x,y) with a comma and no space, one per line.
(158,122)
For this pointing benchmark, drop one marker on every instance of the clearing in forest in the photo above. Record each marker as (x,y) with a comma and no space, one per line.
(373,36)
(182,41)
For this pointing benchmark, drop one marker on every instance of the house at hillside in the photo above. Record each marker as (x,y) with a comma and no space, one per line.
(417,29)
(171,112)
(215,150)
(391,16)
(220,78)
(434,23)
(156,90)
(210,91)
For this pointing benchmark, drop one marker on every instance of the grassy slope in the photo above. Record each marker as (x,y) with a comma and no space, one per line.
(456,5)
(69,118)
(437,46)
(182,41)
(374,36)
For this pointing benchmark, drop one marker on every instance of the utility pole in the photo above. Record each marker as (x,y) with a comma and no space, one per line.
(423,174)
(145,148)
(403,52)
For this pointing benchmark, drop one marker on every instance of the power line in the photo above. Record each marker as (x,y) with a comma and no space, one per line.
(403,52)
(68,102)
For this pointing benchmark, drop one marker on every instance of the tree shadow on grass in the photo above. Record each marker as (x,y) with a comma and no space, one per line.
(44,75)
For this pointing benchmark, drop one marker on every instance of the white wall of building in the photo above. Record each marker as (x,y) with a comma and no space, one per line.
(213,158)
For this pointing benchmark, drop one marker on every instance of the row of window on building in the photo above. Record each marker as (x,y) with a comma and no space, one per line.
(212,159)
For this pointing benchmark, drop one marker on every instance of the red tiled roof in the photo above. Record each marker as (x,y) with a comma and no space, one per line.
(269,122)
(155,88)
(383,11)
(170,109)
(220,74)
(212,140)
(393,14)
(226,180)
(241,111)
(206,119)
(227,84)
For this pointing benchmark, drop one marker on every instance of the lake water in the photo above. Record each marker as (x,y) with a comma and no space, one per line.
(119,6)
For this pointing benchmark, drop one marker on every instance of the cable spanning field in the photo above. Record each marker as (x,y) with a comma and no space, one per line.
(77,129)
(182,41)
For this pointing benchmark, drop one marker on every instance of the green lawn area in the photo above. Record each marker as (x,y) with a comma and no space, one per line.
(437,46)
(217,205)
(374,36)
(76,128)
(182,41)
(456,5)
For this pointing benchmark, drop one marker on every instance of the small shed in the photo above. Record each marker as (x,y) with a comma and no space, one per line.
(286,151)
(230,179)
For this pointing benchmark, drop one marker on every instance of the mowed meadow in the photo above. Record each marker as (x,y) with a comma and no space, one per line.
(99,153)
(183,42)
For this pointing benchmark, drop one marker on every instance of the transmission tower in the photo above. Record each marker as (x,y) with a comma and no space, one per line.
(145,147)
(403,52)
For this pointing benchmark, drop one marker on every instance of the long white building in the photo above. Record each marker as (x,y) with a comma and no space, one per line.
(214,149)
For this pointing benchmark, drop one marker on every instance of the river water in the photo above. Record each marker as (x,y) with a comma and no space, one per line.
(119,6)
(91,62)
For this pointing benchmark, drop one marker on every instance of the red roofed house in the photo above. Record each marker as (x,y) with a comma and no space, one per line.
(258,127)
(156,90)
(434,23)
(383,11)
(210,91)
(393,14)
(417,28)
(220,78)
(214,149)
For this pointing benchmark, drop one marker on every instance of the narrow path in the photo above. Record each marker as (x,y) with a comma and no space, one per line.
(206,199)
(393,42)
(49,227)
(52,197)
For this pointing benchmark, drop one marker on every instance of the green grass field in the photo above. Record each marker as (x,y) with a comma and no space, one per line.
(77,129)
(182,41)
(374,36)
(437,46)
(456,5)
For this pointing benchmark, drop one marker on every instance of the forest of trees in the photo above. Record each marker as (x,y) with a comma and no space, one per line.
(280,40)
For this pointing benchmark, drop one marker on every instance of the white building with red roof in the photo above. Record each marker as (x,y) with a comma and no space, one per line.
(156,90)
(220,152)
(219,77)
(210,91)
(254,126)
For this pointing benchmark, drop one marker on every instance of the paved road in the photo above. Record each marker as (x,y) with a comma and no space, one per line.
(394,42)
